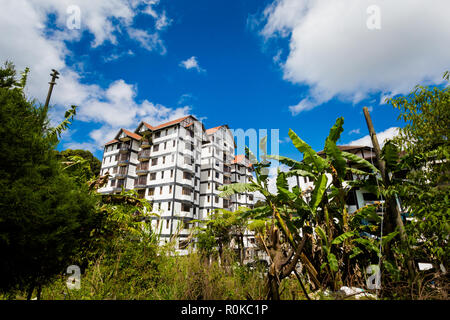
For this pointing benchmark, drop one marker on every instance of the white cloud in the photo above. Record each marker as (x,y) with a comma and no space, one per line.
(27,42)
(334,53)
(382,137)
(355,131)
(191,63)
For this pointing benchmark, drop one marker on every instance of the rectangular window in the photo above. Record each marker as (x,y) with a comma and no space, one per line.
(165,145)
(217,175)
(209,198)
(187,175)
(154,161)
(216,199)
(161,190)
(156,148)
(171,173)
(169,203)
(174,142)
(164,159)
(162,174)
(153,176)
(157,134)
(113,183)
(151,191)
(186,191)
(170,190)
(185,207)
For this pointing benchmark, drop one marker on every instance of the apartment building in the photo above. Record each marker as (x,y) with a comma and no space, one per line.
(179,166)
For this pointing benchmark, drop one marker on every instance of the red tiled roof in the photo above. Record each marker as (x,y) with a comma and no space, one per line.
(238,158)
(212,130)
(111,142)
(132,134)
(166,124)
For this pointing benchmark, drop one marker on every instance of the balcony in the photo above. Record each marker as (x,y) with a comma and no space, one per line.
(145,144)
(118,187)
(141,169)
(124,148)
(226,170)
(121,175)
(141,183)
(125,138)
(123,162)
(144,155)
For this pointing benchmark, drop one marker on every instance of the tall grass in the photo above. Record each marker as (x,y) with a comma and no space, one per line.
(142,271)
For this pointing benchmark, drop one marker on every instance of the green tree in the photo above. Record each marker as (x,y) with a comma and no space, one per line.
(418,157)
(94,163)
(44,215)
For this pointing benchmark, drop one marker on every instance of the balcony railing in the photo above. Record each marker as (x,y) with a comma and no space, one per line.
(121,175)
(124,148)
(144,155)
(140,184)
(142,169)
(123,161)
(145,144)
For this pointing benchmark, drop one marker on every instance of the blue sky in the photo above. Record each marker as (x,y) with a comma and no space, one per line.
(254,64)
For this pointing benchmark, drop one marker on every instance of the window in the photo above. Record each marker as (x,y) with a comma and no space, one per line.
(170,191)
(209,186)
(209,173)
(157,134)
(164,159)
(174,142)
(113,183)
(216,199)
(151,191)
(115,170)
(183,244)
(186,191)
(154,161)
(217,186)
(153,176)
(185,207)
(217,175)
(209,198)
(161,190)
(173,158)
(167,224)
(162,174)
(156,148)
(169,203)
(165,145)
(171,173)
(187,175)
(167,132)
(116,157)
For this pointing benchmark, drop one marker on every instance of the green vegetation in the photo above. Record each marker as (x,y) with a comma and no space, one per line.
(51,216)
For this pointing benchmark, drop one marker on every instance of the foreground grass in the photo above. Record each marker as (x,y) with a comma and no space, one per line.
(148,272)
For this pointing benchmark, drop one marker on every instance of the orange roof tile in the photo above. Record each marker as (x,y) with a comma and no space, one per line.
(132,134)
(212,130)
(111,142)
(166,124)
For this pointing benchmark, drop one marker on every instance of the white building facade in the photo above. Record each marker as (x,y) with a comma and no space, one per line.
(178,166)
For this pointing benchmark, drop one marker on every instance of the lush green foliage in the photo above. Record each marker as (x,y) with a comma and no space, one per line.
(44,215)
